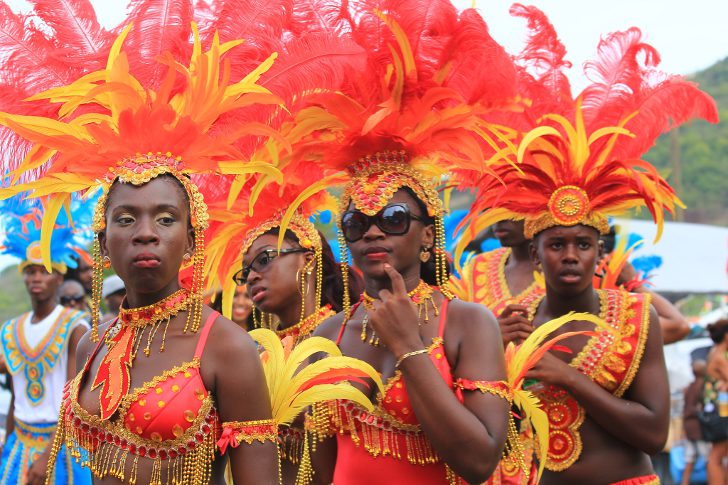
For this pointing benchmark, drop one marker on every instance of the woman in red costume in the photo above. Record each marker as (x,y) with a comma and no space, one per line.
(417,111)
(607,397)
(155,391)
(295,286)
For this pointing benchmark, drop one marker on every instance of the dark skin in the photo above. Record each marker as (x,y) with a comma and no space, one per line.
(519,268)
(153,219)
(276,290)
(469,437)
(618,433)
(42,288)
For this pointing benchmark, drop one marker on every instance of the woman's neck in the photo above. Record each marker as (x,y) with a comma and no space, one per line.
(136,299)
(291,314)
(521,254)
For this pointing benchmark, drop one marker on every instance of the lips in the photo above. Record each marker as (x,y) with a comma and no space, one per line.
(570,276)
(376,252)
(257,293)
(146,260)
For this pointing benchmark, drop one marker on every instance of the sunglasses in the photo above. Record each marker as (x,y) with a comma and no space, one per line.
(393,219)
(67,300)
(261,262)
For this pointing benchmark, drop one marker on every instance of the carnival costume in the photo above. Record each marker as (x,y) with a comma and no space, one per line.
(135,134)
(578,164)
(418,111)
(36,353)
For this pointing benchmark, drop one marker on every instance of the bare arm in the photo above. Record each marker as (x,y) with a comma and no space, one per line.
(242,395)
(641,417)
(469,437)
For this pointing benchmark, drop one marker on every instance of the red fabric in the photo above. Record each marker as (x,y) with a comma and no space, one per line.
(643,480)
(356,466)
(170,407)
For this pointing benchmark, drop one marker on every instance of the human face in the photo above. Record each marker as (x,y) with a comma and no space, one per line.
(402,252)
(85,274)
(568,256)
(147,234)
(72,295)
(41,285)
(274,287)
(242,305)
(509,233)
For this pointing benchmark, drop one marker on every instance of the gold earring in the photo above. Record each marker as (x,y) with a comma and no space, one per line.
(425,254)
(106,262)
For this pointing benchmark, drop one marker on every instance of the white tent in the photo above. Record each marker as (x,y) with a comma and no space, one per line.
(694,256)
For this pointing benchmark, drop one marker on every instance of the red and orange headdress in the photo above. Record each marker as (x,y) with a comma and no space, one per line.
(418,110)
(112,128)
(579,160)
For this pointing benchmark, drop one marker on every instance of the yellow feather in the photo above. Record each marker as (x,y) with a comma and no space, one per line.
(50,214)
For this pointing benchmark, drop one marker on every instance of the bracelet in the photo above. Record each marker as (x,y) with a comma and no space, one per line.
(408,354)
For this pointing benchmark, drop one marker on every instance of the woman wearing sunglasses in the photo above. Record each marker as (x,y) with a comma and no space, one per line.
(443,415)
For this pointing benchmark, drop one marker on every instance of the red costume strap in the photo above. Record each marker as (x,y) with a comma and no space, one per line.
(235,432)
(443,319)
(98,346)
(346,320)
(205,333)
(643,480)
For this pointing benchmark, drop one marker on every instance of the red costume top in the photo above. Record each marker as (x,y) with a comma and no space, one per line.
(484,281)
(388,445)
(171,418)
(609,359)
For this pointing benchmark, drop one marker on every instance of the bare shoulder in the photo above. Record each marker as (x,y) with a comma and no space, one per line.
(227,340)
(86,346)
(467,317)
(330,327)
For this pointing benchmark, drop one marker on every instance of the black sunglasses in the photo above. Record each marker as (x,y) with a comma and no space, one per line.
(261,262)
(393,219)
(66,300)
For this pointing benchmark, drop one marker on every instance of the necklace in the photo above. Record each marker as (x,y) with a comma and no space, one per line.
(420,296)
(138,319)
(123,339)
(306,327)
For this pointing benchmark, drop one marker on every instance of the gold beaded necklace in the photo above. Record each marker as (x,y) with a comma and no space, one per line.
(151,316)
(420,296)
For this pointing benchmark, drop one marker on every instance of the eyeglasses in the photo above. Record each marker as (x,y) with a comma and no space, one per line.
(67,300)
(393,219)
(261,262)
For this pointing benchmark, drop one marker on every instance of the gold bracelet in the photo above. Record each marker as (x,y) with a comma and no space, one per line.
(408,354)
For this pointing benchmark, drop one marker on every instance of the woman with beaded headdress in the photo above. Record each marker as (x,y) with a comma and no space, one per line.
(294,286)
(38,348)
(578,163)
(415,112)
(154,417)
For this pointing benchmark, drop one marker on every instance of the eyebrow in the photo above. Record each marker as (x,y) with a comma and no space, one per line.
(135,208)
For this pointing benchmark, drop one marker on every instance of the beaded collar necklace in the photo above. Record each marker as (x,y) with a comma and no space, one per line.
(420,296)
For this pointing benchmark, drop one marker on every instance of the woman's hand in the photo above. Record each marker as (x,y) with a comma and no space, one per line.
(394,318)
(514,324)
(552,370)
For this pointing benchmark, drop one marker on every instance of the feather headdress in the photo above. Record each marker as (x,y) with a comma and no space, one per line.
(579,160)
(20,224)
(110,127)
(419,108)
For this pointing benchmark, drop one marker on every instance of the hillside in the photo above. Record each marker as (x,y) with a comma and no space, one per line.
(696,156)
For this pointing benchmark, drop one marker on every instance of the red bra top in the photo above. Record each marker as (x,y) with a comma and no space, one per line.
(394,404)
(173,408)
